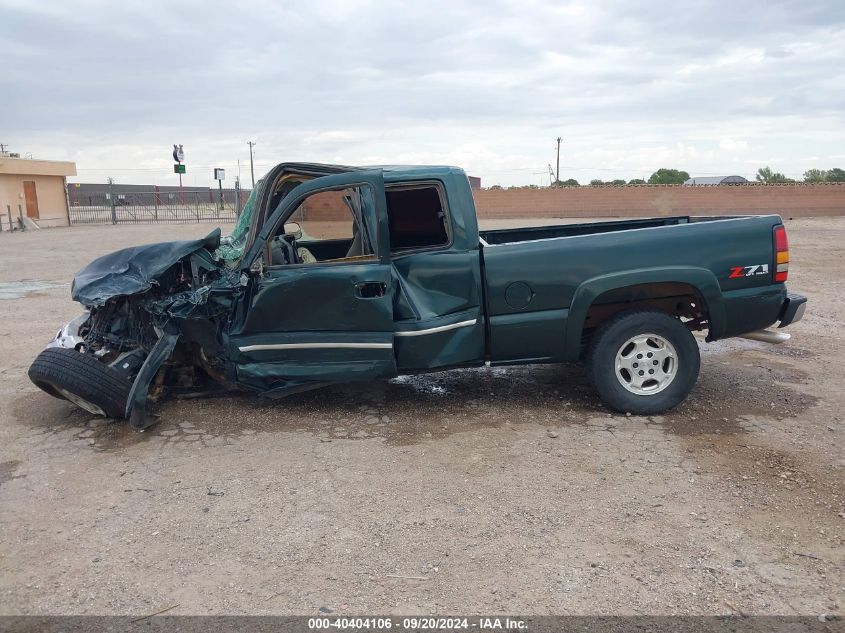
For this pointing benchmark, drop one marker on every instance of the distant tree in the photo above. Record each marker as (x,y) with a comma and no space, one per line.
(636,181)
(815,175)
(497,187)
(836,175)
(571,182)
(596,182)
(765,174)
(665,176)
(617,182)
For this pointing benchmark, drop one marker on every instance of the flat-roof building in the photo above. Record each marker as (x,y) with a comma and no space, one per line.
(34,189)
(716,180)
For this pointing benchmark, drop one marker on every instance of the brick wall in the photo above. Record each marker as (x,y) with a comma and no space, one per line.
(325,206)
(788,200)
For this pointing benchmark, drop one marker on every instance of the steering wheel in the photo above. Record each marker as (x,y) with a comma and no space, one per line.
(284,250)
(290,248)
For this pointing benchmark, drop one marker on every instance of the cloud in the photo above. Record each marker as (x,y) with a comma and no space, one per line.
(631,86)
(731,145)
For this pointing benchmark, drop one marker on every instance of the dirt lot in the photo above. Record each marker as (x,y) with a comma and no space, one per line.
(504,490)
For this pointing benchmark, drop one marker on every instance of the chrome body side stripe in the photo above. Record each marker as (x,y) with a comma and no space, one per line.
(435,330)
(274,346)
(432,330)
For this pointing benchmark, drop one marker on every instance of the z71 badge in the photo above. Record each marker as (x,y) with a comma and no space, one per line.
(749,271)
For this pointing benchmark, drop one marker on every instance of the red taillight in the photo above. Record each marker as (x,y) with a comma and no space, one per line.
(781,254)
(781,241)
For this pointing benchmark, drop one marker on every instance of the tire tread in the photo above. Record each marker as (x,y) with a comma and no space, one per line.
(82,375)
(645,405)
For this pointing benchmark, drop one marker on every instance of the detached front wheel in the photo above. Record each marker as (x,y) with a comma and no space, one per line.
(81,379)
(643,362)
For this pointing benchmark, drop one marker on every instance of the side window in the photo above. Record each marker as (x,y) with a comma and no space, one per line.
(326,227)
(416,217)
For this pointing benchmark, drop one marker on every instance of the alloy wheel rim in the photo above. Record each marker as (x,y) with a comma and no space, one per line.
(90,407)
(646,364)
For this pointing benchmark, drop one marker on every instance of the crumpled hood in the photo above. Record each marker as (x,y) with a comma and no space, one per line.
(132,270)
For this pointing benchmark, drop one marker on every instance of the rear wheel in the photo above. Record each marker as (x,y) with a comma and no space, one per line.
(81,379)
(643,362)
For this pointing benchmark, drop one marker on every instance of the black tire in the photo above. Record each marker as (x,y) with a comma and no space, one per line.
(607,342)
(84,377)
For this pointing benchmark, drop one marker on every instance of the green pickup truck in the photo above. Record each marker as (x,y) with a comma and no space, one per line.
(337,274)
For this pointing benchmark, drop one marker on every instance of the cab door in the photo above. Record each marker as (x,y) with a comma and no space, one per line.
(324,321)
(435,253)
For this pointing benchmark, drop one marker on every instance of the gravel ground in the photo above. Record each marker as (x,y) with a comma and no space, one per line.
(504,490)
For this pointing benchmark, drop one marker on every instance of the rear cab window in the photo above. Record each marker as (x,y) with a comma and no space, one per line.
(417,217)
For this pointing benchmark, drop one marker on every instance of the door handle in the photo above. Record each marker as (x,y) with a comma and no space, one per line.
(370,289)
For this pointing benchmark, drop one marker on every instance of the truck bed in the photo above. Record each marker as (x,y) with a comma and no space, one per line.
(534,275)
(527,234)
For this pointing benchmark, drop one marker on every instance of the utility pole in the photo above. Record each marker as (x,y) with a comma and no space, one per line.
(251,166)
(557,177)
(237,197)
(110,180)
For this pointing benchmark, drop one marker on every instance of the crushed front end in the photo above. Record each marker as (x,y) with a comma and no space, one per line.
(154,322)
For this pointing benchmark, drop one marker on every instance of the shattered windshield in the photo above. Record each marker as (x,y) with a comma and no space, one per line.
(232,246)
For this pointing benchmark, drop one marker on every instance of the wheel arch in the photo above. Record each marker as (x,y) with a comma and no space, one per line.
(655,283)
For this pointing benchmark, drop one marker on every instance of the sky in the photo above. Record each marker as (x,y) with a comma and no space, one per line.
(710,87)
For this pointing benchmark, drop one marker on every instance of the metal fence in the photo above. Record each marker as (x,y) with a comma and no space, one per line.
(118,206)
(12,220)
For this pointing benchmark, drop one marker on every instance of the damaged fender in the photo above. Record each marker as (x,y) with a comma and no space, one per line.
(136,404)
